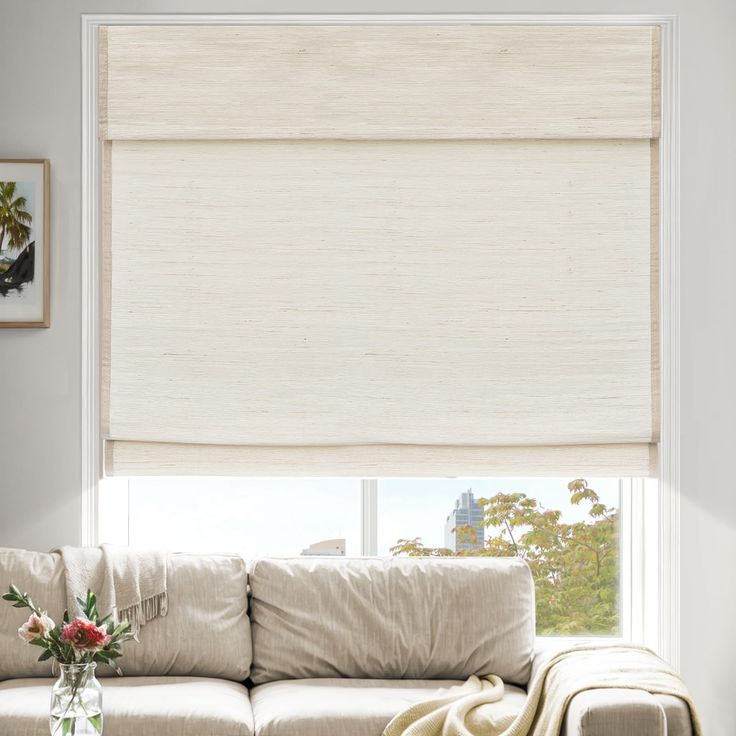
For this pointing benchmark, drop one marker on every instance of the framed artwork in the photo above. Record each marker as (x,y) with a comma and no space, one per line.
(24,243)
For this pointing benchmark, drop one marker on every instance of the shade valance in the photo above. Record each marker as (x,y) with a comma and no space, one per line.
(379,82)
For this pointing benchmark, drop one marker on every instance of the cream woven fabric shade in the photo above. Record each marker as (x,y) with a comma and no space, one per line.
(380,250)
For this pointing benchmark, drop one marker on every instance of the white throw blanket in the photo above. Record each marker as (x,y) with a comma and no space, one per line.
(475,708)
(130,584)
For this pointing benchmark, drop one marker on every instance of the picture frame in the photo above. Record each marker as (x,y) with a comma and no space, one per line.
(25,266)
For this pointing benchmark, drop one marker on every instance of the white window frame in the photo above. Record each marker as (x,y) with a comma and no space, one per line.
(369,517)
(667,553)
(639,561)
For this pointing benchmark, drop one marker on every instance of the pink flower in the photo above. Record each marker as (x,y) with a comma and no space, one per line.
(83,634)
(36,627)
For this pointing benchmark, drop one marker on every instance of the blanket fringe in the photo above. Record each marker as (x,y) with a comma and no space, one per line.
(146,610)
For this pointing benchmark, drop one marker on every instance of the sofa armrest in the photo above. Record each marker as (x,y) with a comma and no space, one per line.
(612,712)
(617,711)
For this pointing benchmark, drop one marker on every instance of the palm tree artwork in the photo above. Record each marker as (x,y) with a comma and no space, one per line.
(15,232)
(15,220)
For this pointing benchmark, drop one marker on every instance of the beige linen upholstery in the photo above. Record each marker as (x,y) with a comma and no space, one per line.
(42,576)
(676,714)
(138,706)
(391,618)
(613,712)
(342,707)
(206,632)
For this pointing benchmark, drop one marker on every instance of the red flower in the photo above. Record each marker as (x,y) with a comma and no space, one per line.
(83,634)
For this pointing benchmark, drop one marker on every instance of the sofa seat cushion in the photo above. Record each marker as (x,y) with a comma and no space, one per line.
(336,707)
(144,706)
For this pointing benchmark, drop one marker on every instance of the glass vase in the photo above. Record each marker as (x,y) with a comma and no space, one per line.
(76,702)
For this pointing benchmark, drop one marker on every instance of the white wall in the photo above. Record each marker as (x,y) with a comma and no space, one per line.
(40,369)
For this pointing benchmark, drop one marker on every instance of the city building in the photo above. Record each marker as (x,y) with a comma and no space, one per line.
(467,513)
(326,548)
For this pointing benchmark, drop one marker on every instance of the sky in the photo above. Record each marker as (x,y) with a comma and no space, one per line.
(280,517)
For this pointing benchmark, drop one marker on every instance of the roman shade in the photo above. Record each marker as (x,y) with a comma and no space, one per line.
(380,249)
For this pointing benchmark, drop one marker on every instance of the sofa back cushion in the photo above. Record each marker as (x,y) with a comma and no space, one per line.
(42,577)
(206,632)
(391,618)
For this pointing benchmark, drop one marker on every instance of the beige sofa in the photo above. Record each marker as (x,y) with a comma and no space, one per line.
(309,647)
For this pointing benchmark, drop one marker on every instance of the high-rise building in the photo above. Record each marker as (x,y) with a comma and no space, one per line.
(467,513)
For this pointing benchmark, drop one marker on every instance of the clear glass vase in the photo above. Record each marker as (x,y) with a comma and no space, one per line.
(76,702)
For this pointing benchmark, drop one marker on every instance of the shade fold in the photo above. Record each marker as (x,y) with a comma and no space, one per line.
(374,81)
(150,458)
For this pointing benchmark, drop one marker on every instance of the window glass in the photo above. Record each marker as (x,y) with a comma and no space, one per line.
(567,530)
(254,517)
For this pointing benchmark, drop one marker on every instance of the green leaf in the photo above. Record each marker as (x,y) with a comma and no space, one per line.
(121,628)
(96,722)
(10,597)
(66,726)
(90,606)
(45,655)
(575,566)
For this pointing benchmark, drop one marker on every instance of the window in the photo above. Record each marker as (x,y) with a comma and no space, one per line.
(267,517)
(368,296)
(586,540)
(443,278)
(569,536)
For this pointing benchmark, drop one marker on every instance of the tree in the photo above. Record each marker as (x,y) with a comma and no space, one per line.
(574,566)
(14,218)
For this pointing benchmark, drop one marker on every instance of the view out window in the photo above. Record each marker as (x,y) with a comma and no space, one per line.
(252,517)
(568,530)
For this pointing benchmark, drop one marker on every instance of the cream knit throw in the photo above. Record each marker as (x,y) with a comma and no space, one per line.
(475,708)
(130,584)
